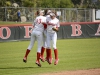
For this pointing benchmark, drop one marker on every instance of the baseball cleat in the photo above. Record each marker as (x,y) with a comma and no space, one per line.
(25,60)
(37,63)
(42,59)
(49,60)
(56,61)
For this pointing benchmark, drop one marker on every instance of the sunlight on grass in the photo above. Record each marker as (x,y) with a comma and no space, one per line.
(74,54)
(12,23)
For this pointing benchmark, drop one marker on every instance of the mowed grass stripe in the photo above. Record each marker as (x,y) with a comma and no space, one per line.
(13,23)
(74,54)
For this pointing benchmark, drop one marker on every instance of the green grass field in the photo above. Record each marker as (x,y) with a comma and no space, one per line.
(12,23)
(74,54)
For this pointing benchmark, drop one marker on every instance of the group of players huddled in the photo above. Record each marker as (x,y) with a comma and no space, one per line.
(45,28)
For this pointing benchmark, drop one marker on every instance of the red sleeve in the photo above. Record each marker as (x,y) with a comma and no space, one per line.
(45,25)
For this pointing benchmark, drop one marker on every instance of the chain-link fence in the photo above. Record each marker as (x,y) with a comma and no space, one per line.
(64,14)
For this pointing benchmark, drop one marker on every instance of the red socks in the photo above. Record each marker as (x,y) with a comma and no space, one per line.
(27,52)
(56,53)
(48,52)
(42,51)
(38,56)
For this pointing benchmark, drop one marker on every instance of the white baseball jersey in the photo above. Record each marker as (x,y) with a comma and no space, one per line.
(37,33)
(52,23)
(38,26)
(47,16)
(51,34)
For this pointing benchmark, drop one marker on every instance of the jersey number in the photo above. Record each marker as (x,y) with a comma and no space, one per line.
(39,21)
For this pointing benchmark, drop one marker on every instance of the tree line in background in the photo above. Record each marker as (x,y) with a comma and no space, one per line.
(52,3)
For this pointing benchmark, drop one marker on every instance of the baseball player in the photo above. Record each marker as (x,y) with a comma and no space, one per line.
(52,29)
(47,15)
(37,34)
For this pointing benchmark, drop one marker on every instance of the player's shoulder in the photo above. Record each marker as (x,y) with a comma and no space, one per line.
(56,19)
(48,18)
(44,17)
(40,17)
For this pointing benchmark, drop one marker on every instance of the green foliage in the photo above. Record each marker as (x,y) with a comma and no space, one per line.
(53,3)
(86,3)
(75,2)
(50,3)
(8,3)
(66,3)
(2,3)
(13,23)
(57,4)
(74,54)
(28,3)
(43,3)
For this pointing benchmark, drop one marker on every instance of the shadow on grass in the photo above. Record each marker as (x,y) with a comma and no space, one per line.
(23,67)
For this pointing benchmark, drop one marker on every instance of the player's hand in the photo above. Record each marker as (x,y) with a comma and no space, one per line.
(55,29)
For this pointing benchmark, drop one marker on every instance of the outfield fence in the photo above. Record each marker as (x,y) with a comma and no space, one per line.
(64,14)
(66,30)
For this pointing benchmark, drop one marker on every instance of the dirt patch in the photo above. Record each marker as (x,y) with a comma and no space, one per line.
(78,72)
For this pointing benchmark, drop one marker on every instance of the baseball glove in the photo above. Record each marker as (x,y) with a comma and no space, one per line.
(55,29)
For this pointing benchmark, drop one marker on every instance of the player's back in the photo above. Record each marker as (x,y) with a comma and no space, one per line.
(38,23)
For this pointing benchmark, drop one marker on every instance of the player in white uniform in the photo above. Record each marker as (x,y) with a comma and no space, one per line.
(47,15)
(37,34)
(52,28)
